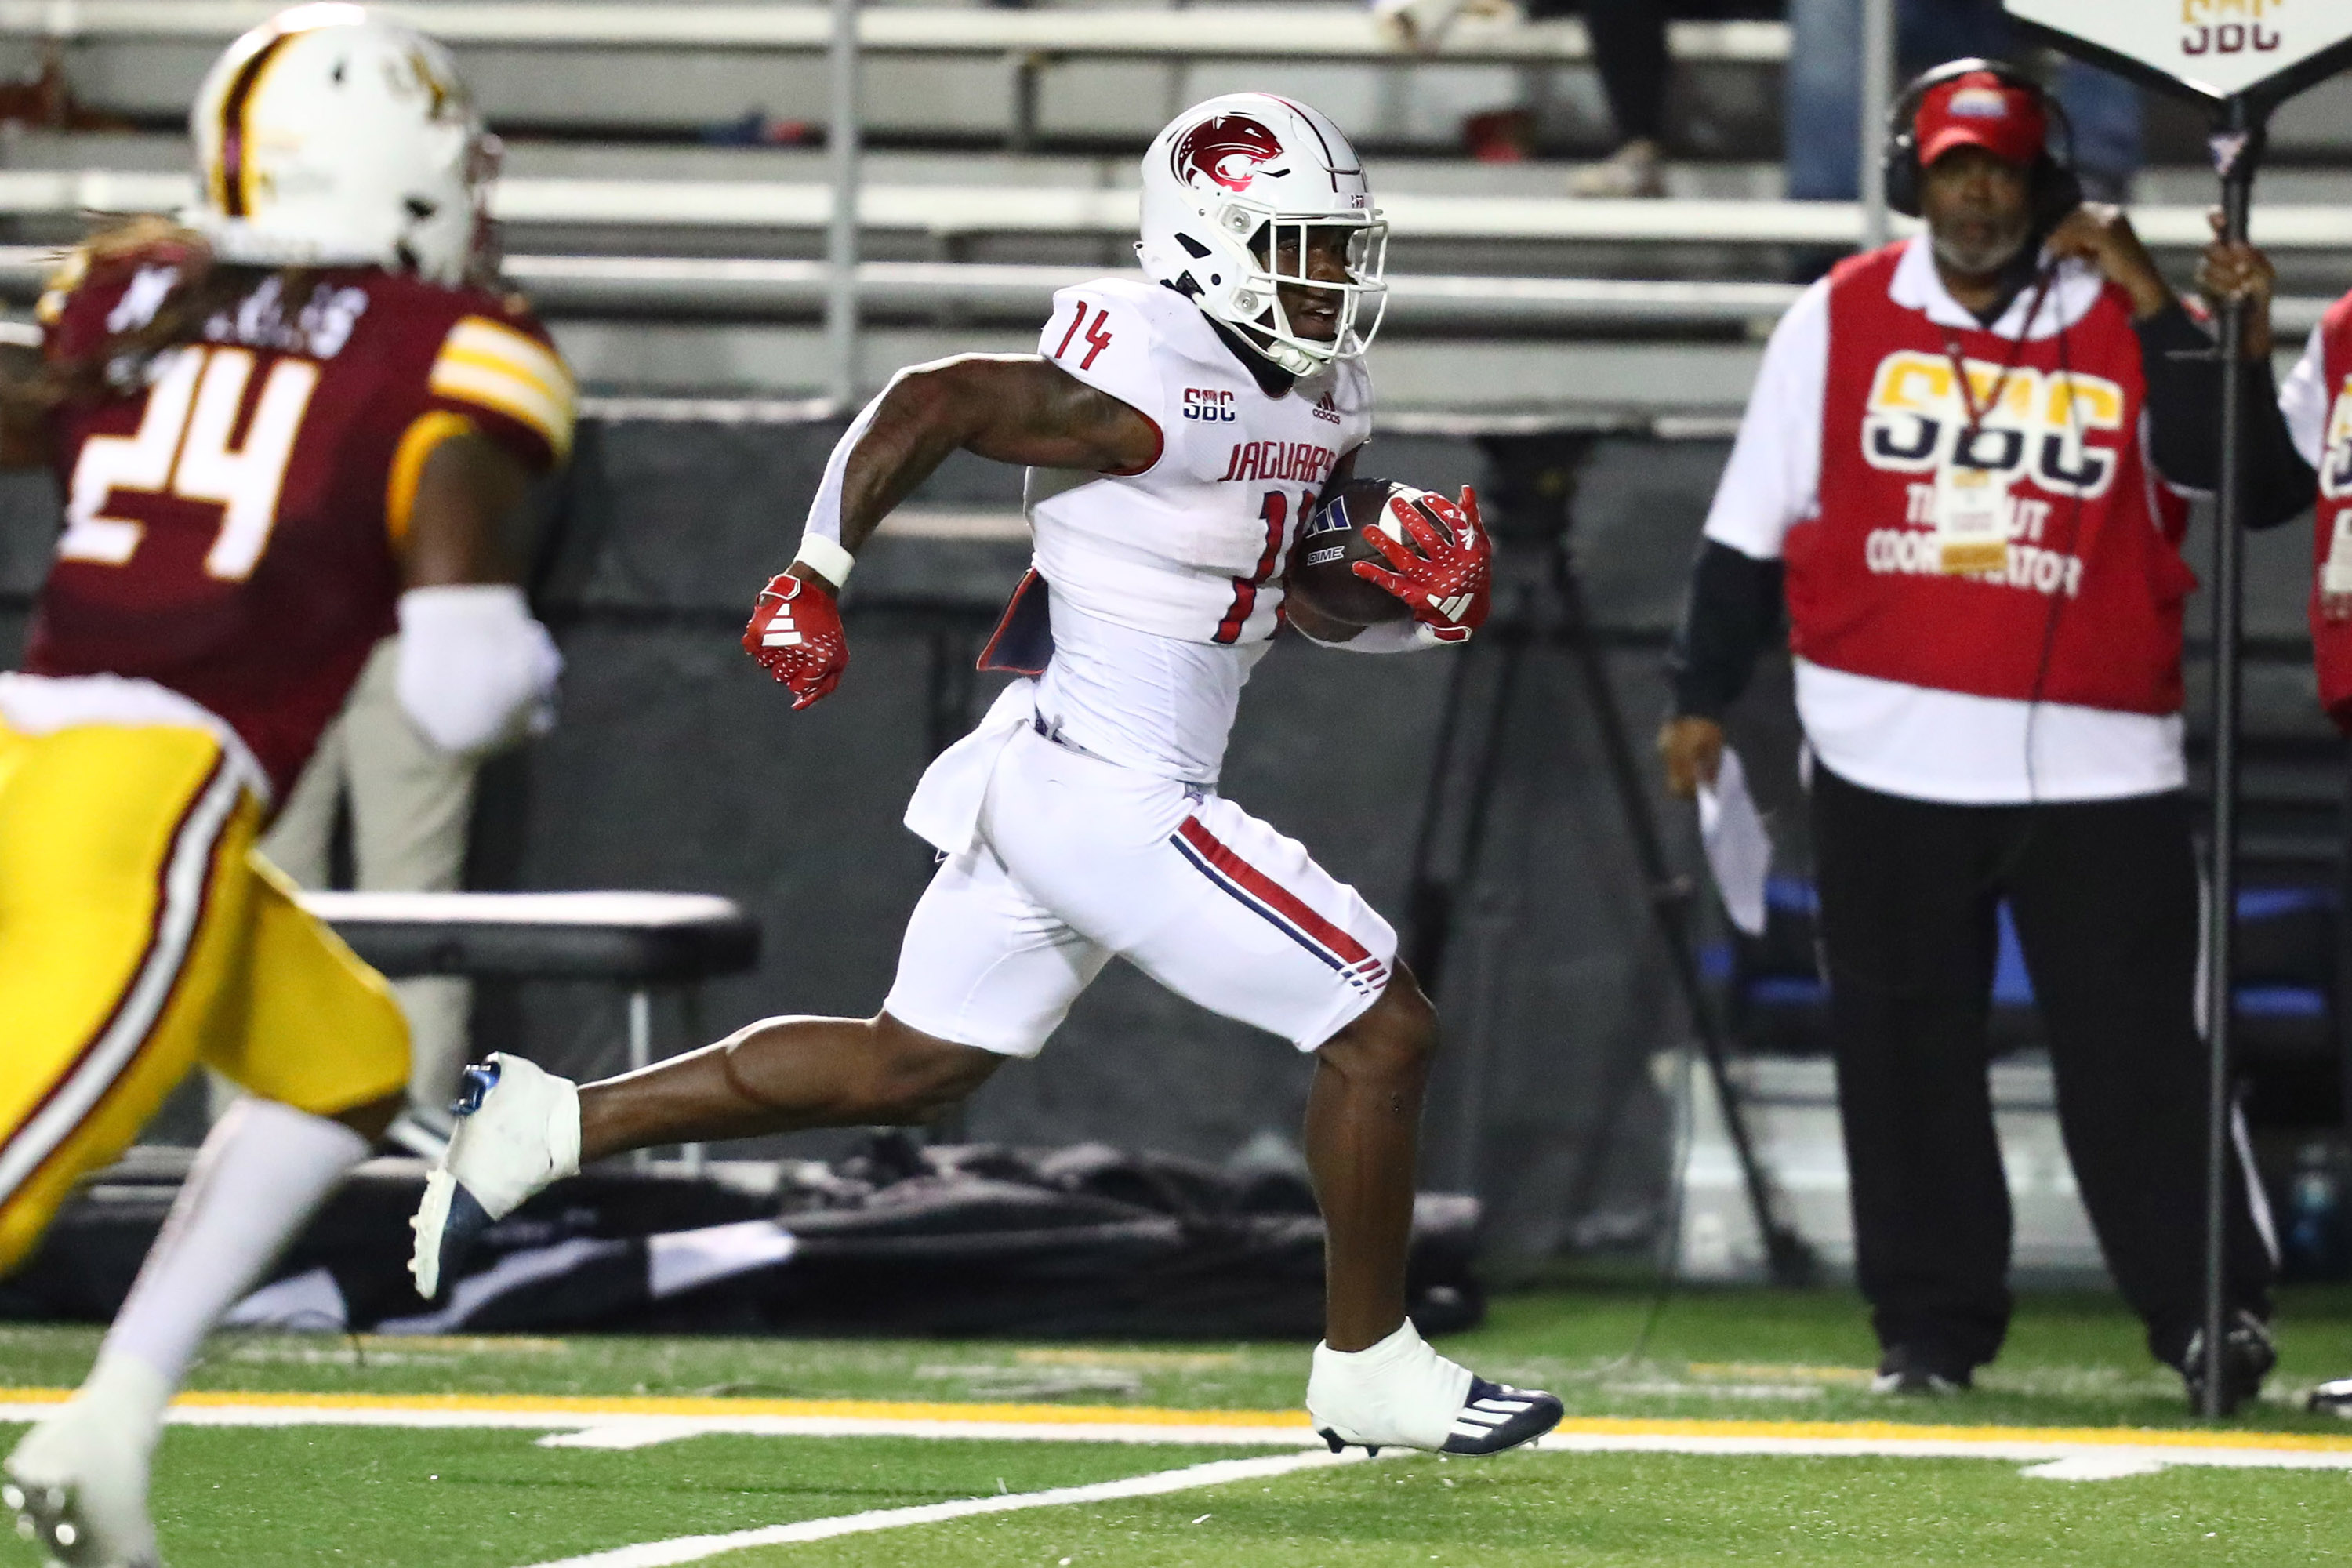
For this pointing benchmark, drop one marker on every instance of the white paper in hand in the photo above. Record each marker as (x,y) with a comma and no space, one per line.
(1739,851)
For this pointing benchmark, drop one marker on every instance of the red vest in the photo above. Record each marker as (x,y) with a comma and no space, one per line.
(2088,611)
(2331,640)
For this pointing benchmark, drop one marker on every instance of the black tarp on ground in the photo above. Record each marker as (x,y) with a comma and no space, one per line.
(961,1240)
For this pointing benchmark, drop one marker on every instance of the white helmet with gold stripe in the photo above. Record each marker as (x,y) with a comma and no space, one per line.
(331,136)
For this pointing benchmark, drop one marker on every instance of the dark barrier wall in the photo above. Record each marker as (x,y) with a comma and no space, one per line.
(678,765)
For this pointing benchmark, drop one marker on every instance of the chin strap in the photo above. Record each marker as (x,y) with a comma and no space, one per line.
(1286,357)
(1291,359)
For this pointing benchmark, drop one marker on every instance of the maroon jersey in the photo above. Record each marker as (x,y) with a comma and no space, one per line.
(232,523)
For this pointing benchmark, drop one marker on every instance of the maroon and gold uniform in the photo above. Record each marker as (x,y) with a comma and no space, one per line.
(229,557)
(230,534)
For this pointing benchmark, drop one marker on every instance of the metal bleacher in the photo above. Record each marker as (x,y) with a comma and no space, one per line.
(688,268)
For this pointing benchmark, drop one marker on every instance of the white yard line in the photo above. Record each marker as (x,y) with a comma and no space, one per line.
(695,1548)
(645,1432)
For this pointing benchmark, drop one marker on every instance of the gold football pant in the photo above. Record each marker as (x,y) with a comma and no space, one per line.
(140,934)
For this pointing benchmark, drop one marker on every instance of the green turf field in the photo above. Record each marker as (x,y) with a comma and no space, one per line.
(472,1498)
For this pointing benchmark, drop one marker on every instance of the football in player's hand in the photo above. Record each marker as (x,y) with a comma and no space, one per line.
(1322,563)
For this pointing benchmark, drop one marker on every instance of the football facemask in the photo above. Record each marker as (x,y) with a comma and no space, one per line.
(1283,251)
(1233,192)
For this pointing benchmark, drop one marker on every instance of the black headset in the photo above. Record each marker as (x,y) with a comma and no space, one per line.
(2056,191)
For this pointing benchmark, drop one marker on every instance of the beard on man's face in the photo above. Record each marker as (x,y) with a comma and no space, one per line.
(1975,243)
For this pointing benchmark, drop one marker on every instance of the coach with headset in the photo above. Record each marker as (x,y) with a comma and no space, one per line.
(1966,464)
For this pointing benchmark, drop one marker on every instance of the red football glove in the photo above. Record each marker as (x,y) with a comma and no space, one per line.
(1447,585)
(796,634)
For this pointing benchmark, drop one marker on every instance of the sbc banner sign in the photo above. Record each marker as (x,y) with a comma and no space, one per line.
(2216,48)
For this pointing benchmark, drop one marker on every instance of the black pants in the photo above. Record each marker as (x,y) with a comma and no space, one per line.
(1628,50)
(2106,899)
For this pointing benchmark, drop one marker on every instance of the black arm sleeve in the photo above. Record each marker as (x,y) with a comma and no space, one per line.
(2184,419)
(1734,610)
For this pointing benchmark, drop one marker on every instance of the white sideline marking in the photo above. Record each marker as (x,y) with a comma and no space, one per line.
(2154,1455)
(694,1548)
(618,1437)
(2093,1468)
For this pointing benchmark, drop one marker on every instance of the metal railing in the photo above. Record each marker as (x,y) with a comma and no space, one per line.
(966,210)
(753,288)
(1317,33)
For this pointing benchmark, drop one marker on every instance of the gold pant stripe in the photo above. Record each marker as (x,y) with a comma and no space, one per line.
(185,881)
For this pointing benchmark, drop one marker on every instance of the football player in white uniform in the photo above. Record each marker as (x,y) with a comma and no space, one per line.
(1178,428)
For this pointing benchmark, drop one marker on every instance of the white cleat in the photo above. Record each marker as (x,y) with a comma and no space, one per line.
(518,1130)
(77,1486)
(1401,1393)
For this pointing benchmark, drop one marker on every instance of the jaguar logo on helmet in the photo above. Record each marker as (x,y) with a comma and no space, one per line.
(1226,150)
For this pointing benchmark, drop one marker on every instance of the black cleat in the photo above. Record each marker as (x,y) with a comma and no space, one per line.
(2247,1357)
(1909,1369)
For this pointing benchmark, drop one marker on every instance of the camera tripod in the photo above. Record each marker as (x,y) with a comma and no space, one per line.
(1540,605)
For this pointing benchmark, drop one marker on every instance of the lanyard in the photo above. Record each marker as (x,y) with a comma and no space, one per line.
(2016,352)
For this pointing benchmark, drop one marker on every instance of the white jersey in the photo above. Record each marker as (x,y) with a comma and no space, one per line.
(1166,581)
(1080,820)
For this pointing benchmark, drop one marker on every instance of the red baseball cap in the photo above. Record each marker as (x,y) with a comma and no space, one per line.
(1980,110)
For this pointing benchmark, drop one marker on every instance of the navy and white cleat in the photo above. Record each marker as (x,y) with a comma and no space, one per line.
(1497,1416)
(1402,1393)
(518,1130)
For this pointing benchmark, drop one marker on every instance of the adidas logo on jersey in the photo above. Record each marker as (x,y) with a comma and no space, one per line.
(1325,409)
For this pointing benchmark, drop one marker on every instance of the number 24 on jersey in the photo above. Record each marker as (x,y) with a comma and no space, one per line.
(182,448)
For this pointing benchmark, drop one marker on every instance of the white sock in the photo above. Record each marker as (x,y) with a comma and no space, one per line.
(256,1182)
(1398,1391)
(1403,1346)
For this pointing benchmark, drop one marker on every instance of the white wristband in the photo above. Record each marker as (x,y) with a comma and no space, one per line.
(825,557)
(1388,636)
(472,662)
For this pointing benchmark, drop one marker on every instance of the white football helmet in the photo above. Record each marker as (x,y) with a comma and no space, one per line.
(1231,190)
(329,136)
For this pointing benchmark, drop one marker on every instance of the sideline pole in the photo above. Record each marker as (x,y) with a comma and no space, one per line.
(2242,60)
(1877,93)
(841,233)
(2237,147)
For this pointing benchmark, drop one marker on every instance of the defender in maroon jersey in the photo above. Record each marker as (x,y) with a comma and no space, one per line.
(256,579)
(283,425)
